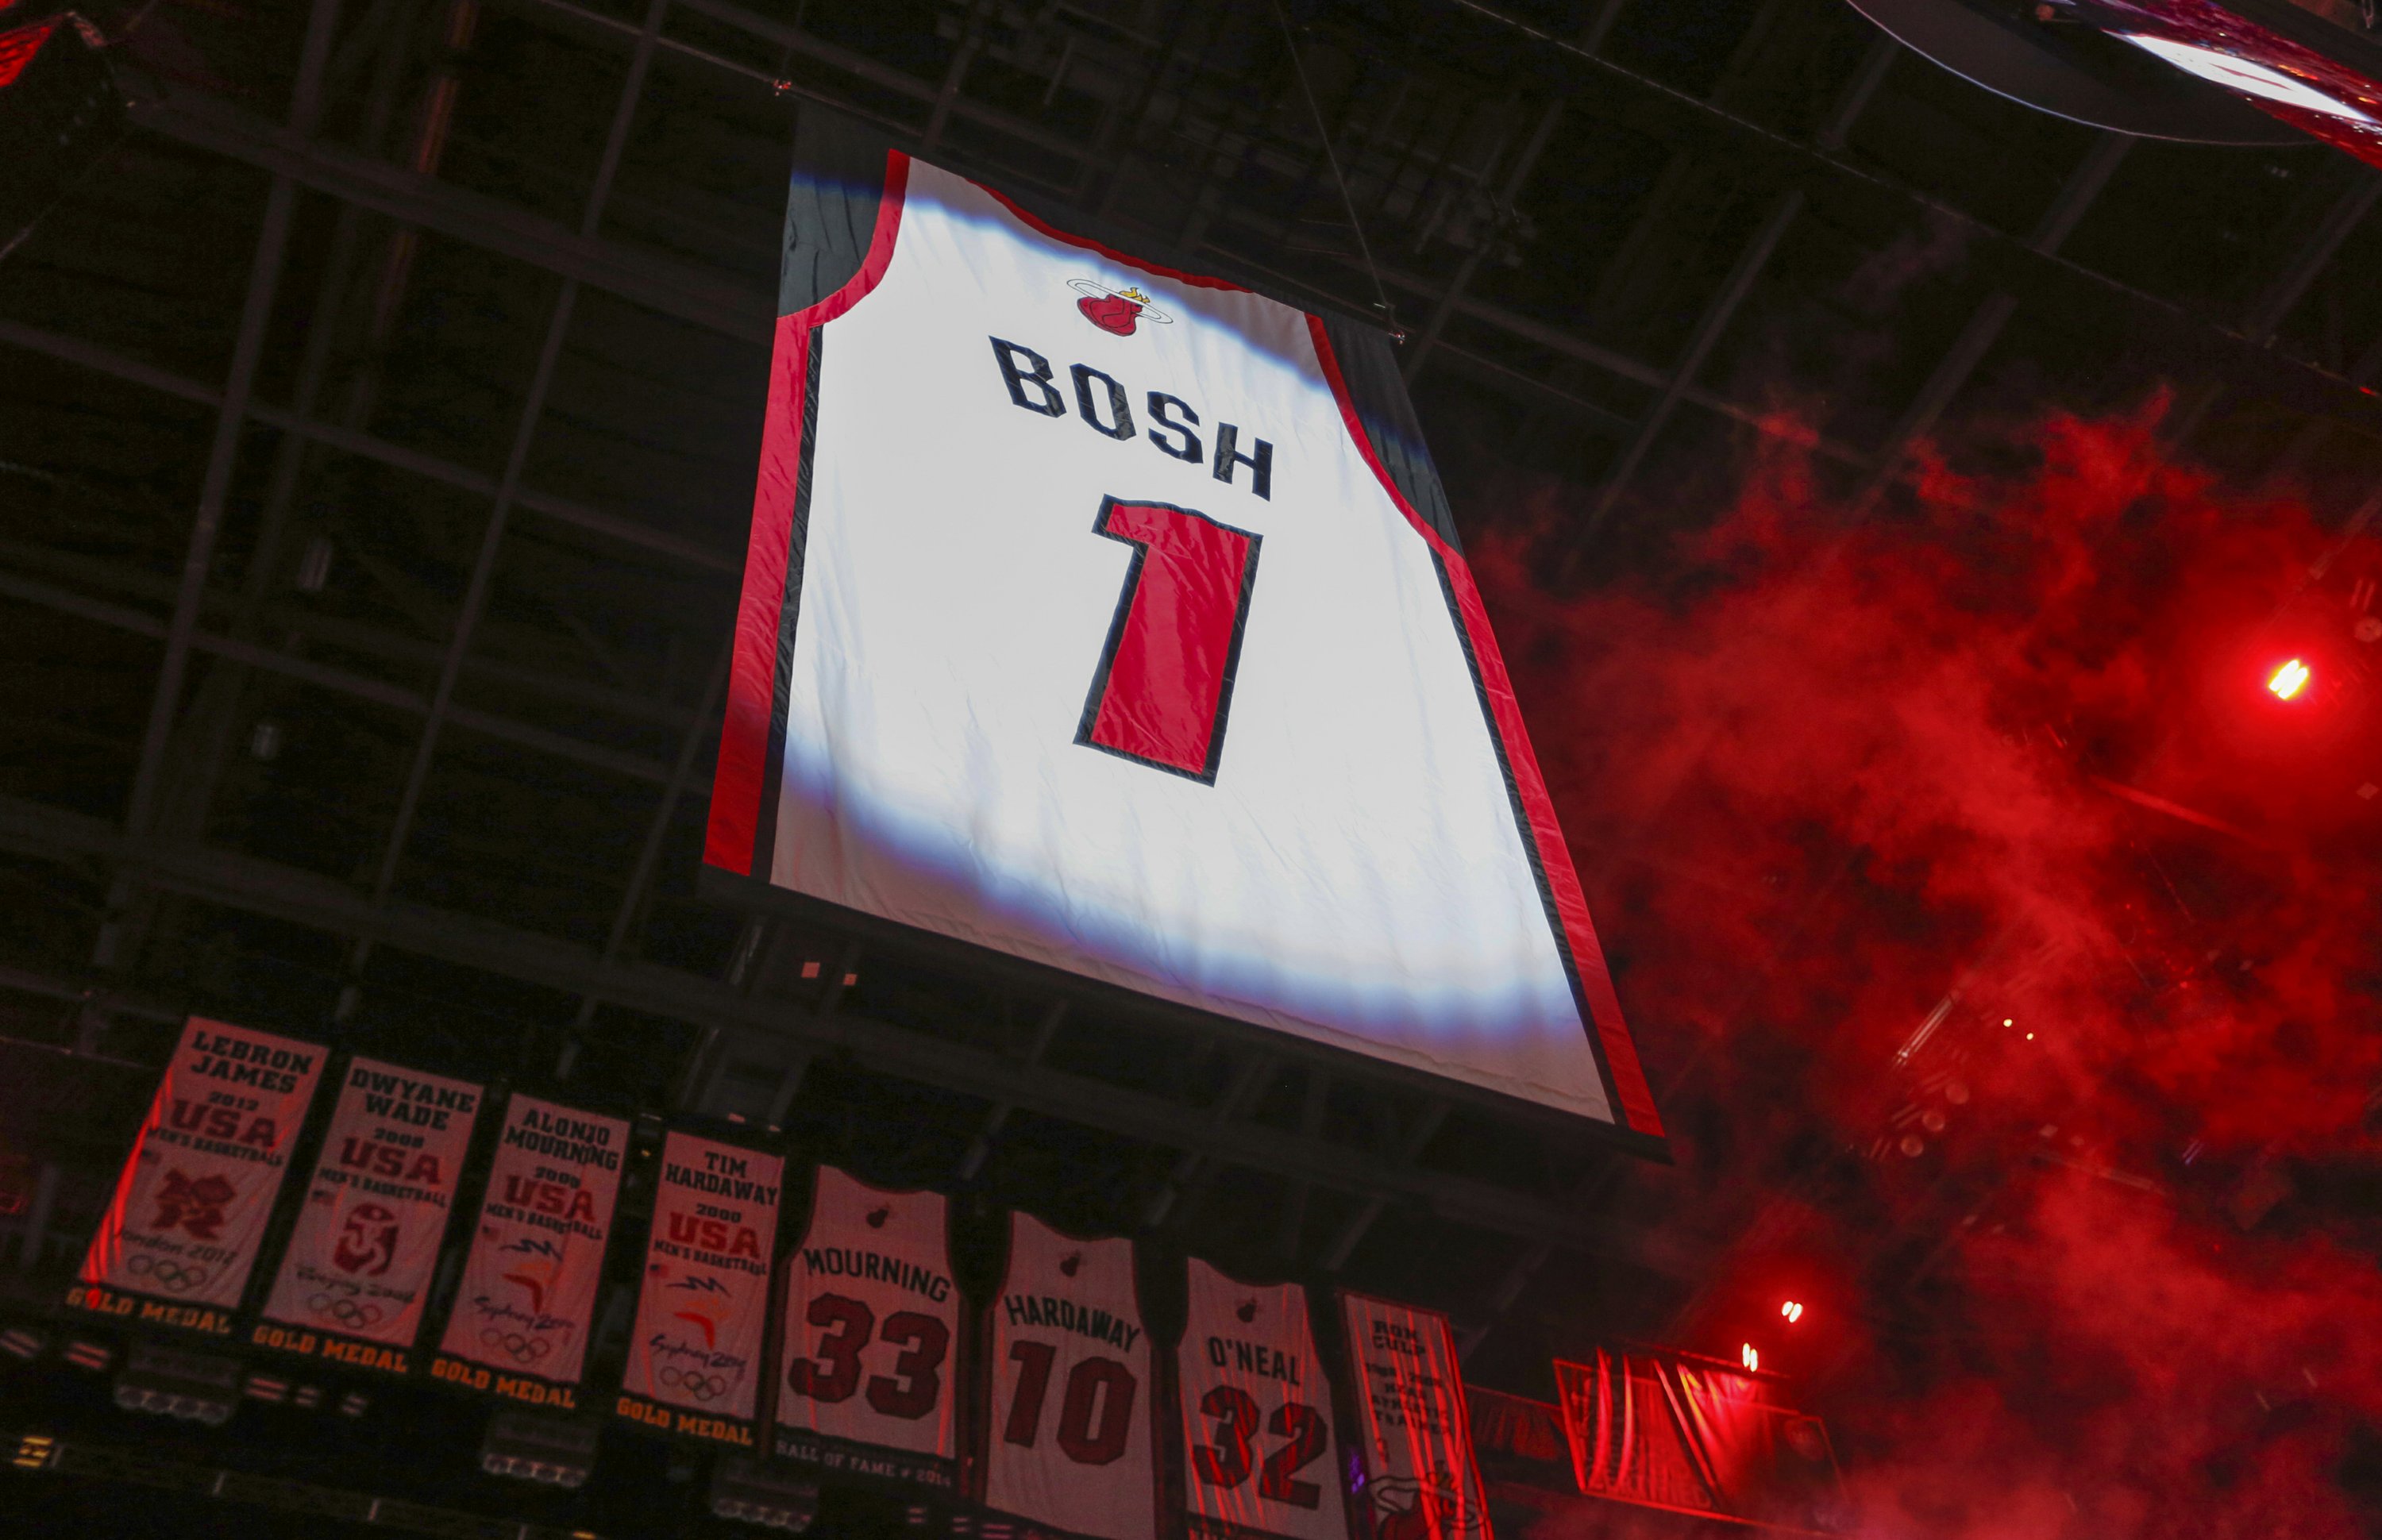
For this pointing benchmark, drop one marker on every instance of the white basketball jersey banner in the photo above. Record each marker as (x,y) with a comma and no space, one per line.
(869,1380)
(1081,621)
(519,1324)
(191,1208)
(375,1215)
(1259,1455)
(694,1354)
(1421,1479)
(1070,1443)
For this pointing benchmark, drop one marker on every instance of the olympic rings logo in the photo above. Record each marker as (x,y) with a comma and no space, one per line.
(519,1346)
(701,1387)
(170,1275)
(347,1311)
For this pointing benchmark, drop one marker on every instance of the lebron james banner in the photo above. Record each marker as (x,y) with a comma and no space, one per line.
(1259,1461)
(191,1208)
(351,1281)
(520,1323)
(694,1354)
(1421,1479)
(1110,616)
(1071,1441)
(869,1382)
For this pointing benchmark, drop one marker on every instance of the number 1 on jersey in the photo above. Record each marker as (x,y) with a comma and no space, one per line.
(1164,684)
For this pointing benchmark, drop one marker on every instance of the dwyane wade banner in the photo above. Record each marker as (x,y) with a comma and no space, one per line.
(694,1354)
(1112,616)
(191,1206)
(1421,1479)
(868,1383)
(1259,1461)
(1071,1442)
(352,1280)
(520,1323)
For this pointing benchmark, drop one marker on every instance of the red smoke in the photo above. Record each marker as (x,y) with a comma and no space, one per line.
(1831,777)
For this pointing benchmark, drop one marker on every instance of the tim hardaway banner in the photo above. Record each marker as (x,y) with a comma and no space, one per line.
(521,1320)
(1421,1479)
(191,1208)
(694,1355)
(1162,652)
(1071,1442)
(1260,1458)
(869,1383)
(367,1239)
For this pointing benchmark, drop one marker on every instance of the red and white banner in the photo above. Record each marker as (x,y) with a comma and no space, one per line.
(522,1318)
(868,1377)
(1071,1440)
(367,1239)
(694,1355)
(1421,1479)
(191,1208)
(1259,1457)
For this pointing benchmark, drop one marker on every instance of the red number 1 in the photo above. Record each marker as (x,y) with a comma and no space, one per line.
(1165,679)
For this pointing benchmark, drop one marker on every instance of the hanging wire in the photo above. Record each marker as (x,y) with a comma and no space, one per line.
(1332,158)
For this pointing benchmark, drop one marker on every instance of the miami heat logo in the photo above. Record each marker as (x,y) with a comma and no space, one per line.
(877,1216)
(367,1242)
(1115,310)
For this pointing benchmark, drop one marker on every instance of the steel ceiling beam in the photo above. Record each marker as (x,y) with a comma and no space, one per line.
(762,1027)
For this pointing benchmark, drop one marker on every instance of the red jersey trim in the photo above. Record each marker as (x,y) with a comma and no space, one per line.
(1626,1076)
(736,785)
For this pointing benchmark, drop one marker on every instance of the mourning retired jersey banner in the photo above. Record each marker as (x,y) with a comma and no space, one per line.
(191,1208)
(870,1384)
(694,1354)
(1259,1456)
(1081,621)
(518,1328)
(1421,1479)
(368,1236)
(1070,1440)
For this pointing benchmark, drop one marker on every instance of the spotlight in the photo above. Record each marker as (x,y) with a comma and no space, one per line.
(2289,681)
(1750,1356)
(1792,1309)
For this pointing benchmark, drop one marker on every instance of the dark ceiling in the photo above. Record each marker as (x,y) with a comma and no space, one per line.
(378,437)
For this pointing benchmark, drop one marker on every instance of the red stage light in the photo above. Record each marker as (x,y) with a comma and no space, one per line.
(2290,679)
(1750,1356)
(1792,1309)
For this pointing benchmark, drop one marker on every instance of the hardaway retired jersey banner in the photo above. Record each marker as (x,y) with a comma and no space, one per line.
(1259,1456)
(696,1346)
(521,1320)
(190,1208)
(367,1239)
(1069,1442)
(1081,621)
(869,1382)
(1422,1482)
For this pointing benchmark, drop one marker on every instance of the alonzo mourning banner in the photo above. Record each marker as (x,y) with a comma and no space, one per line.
(191,1208)
(1421,1479)
(694,1354)
(869,1377)
(1258,1458)
(520,1323)
(367,1239)
(1109,617)
(1070,1446)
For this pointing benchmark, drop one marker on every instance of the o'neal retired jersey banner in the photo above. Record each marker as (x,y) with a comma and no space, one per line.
(869,1383)
(1070,1440)
(519,1324)
(191,1208)
(694,1355)
(375,1215)
(1082,620)
(1421,1479)
(1259,1456)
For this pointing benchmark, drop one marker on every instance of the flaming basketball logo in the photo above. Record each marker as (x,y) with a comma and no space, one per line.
(1115,310)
